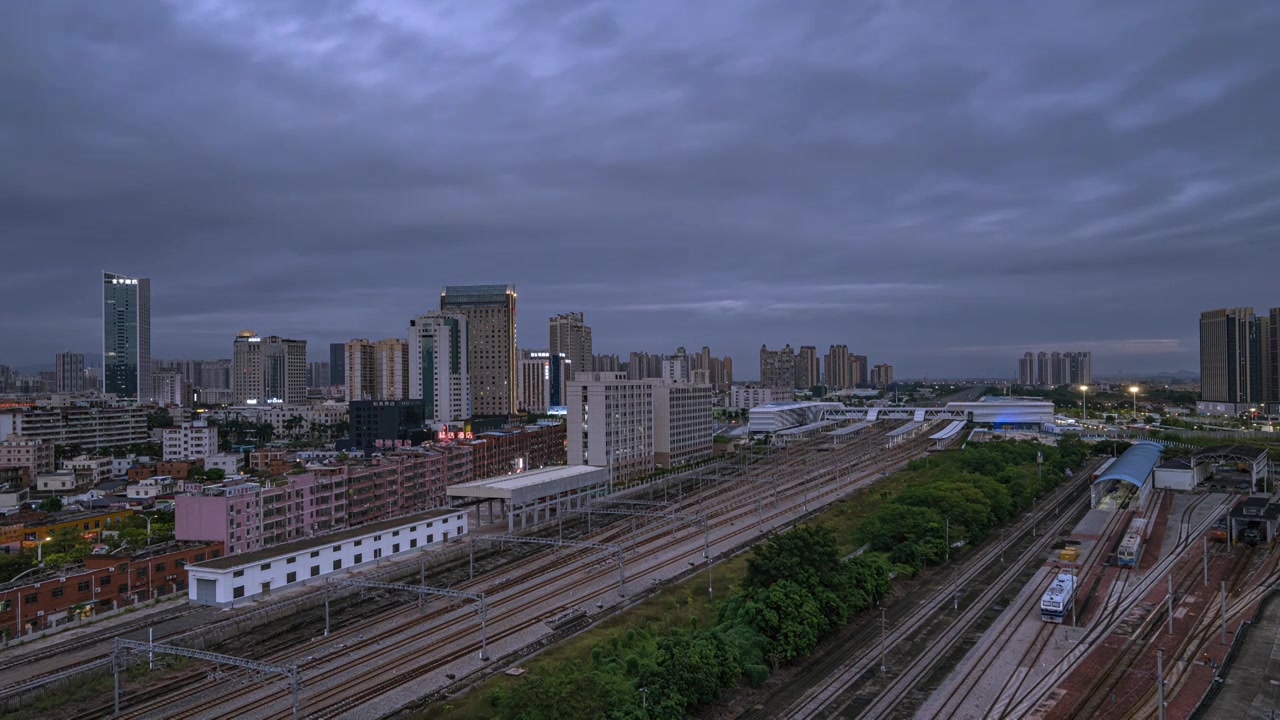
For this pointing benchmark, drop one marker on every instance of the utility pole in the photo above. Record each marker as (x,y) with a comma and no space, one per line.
(882,627)
(948,537)
(1224,612)
(326,610)
(1170,597)
(1160,682)
(1206,562)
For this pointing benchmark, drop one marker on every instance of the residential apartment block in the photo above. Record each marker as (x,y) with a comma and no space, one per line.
(439,370)
(33,454)
(683,428)
(492,354)
(749,396)
(570,336)
(610,424)
(268,369)
(778,368)
(190,440)
(88,424)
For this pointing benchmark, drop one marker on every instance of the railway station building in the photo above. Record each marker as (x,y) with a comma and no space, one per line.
(229,579)
(533,496)
(1133,473)
(1242,468)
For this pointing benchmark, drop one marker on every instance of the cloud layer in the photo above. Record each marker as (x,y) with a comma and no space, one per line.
(937,185)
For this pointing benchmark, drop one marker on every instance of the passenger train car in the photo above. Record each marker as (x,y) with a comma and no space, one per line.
(1056,601)
(1131,546)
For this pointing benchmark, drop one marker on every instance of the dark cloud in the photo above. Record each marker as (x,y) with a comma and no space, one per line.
(938,185)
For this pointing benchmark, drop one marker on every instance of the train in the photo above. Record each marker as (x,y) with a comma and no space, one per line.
(1219,530)
(1131,546)
(1056,601)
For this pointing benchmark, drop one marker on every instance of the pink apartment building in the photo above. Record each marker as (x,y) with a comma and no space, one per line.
(248,516)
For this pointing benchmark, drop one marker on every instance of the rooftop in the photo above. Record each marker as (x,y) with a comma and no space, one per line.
(1252,453)
(294,547)
(515,481)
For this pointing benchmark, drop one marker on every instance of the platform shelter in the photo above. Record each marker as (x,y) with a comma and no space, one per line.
(533,495)
(1135,467)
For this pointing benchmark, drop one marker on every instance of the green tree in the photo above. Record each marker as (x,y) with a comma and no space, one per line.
(51,505)
(788,616)
(215,475)
(159,418)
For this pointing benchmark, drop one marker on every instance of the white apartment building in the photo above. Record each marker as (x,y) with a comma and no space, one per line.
(34,454)
(268,369)
(683,428)
(327,412)
(228,463)
(610,424)
(145,491)
(438,366)
(62,482)
(746,397)
(91,425)
(190,441)
(94,469)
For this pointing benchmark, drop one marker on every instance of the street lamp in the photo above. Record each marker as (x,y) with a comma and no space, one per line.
(148,519)
(1134,389)
(40,550)
(1084,403)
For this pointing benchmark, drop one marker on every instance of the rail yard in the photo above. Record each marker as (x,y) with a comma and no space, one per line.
(371,664)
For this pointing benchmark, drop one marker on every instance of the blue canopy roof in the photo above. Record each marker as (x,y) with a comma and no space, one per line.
(1135,465)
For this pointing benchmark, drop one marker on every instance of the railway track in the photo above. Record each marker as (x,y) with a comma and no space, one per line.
(838,672)
(1100,630)
(819,479)
(963,698)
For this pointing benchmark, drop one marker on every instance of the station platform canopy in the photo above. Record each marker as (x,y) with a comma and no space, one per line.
(526,487)
(1135,465)
(903,429)
(806,428)
(949,431)
(850,429)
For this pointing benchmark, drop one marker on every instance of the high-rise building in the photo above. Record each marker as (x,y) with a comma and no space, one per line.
(171,388)
(70,372)
(337,364)
(391,373)
(675,368)
(1231,359)
(438,366)
(361,370)
(1059,374)
(603,363)
(544,380)
(777,367)
(610,424)
(1269,344)
(126,336)
(268,369)
(808,367)
(837,366)
(318,374)
(1026,369)
(571,337)
(492,356)
(683,427)
(882,376)
(859,371)
(1043,373)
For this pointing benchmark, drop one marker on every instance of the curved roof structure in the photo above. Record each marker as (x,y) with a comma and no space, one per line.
(1134,466)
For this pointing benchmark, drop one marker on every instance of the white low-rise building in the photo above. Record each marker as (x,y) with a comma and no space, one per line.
(224,581)
(93,469)
(747,397)
(229,463)
(62,482)
(151,488)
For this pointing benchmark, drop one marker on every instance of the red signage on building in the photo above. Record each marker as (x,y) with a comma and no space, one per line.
(445,435)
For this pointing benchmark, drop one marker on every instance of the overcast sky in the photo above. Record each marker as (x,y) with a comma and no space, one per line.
(939,185)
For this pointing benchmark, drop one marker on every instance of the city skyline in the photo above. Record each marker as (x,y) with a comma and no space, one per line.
(825,180)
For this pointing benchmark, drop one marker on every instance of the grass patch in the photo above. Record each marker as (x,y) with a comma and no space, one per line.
(677,605)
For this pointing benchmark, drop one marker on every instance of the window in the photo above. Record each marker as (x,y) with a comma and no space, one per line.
(215,554)
(104,581)
(377,553)
(179,563)
(358,543)
(337,548)
(376,538)
(83,586)
(431,538)
(291,577)
(337,564)
(359,558)
(238,573)
(315,570)
(237,591)
(122,589)
(429,524)
(315,553)
(291,561)
(395,548)
(395,534)
(413,528)
(31,599)
(142,573)
(159,567)
(413,542)
(57,592)
(199,557)
(264,566)
(97,524)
